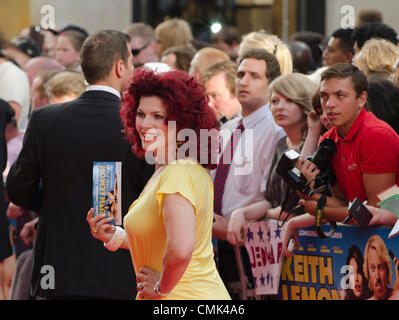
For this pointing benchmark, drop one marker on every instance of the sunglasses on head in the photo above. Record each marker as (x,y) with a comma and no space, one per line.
(135,52)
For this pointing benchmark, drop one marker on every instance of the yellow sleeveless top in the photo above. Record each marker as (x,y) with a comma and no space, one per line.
(146,235)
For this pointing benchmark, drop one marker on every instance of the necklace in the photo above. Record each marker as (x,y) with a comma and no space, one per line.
(290,145)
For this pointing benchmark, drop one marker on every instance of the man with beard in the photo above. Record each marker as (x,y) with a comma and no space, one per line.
(377,269)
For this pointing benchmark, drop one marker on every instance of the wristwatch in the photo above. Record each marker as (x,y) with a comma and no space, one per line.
(156,289)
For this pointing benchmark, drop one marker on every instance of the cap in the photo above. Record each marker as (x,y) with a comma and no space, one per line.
(158,67)
(27,46)
(70,27)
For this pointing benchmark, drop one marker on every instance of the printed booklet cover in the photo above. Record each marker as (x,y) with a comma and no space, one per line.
(390,201)
(107,190)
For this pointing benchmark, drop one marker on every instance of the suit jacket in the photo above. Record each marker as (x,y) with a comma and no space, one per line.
(53,175)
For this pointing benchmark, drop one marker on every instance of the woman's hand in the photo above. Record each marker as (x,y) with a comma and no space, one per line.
(381,217)
(290,233)
(309,170)
(28,232)
(14,211)
(314,122)
(100,227)
(146,280)
(396,284)
(219,227)
(236,232)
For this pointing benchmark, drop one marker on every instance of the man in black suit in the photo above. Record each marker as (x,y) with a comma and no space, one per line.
(53,175)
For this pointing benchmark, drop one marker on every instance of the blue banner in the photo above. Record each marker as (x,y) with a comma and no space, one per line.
(352,264)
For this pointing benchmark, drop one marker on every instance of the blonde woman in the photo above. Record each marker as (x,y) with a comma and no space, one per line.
(377,58)
(171,33)
(270,43)
(290,102)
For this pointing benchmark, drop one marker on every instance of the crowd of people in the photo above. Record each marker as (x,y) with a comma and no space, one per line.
(69,98)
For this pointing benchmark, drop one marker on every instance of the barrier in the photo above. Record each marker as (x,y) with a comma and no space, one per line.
(320,268)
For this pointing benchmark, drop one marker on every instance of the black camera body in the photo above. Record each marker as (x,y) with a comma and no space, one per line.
(286,167)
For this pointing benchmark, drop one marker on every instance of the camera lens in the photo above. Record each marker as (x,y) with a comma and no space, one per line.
(324,154)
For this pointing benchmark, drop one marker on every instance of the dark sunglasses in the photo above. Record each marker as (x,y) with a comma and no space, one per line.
(135,52)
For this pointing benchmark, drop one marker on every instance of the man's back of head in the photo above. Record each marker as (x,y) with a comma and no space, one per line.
(179,57)
(65,86)
(373,30)
(301,56)
(204,58)
(367,16)
(227,39)
(39,64)
(101,51)
(314,41)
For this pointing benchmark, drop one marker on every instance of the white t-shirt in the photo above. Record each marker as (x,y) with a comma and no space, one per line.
(14,86)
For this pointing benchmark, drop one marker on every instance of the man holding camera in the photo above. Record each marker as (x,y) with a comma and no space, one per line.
(367,149)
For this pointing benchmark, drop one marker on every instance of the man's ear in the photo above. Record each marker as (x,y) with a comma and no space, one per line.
(349,57)
(362,99)
(119,67)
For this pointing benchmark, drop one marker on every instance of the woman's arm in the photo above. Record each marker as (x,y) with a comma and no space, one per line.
(179,217)
(291,231)
(240,217)
(313,135)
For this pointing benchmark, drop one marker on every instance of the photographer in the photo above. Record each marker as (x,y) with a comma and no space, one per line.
(367,149)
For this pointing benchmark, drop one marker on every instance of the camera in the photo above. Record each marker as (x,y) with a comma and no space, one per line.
(286,167)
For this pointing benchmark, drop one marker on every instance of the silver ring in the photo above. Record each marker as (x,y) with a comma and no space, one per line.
(140,286)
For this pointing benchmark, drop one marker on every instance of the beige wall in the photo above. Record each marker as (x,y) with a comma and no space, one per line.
(389,9)
(92,15)
(14,16)
(269,18)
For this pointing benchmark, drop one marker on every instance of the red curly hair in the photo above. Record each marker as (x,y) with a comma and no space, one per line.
(185,100)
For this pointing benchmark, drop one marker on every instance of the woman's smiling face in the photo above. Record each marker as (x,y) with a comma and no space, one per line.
(151,125)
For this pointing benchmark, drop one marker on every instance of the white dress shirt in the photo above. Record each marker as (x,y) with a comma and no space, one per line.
(99,87)
(252,159)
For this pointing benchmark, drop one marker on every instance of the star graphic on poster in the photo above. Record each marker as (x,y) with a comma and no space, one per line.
(250,235)
(268,235)
(255,284)
(260,234)
(268,278)
(262,280)
(278,231)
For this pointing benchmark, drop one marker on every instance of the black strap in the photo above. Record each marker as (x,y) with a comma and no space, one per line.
(321,203)
(296,210)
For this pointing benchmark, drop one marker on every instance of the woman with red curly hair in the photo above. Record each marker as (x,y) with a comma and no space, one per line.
(169,227)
